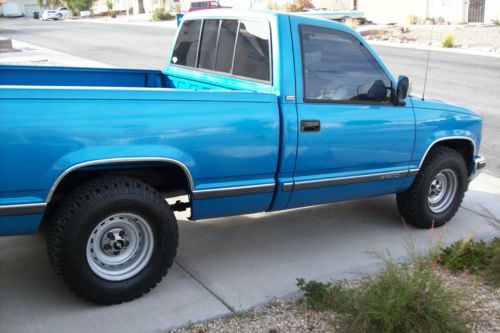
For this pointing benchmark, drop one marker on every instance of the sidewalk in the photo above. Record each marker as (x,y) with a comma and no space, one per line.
(29,54)
(139,19)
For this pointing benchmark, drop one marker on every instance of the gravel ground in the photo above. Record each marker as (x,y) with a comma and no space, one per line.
(482,37)
(292,315)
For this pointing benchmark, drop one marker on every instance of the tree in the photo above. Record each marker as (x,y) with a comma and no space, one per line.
(141,6)
(76,6)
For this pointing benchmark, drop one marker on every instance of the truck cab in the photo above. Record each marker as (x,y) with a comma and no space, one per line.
(256,111)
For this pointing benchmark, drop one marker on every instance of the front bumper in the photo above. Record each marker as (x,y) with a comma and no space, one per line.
(479,164)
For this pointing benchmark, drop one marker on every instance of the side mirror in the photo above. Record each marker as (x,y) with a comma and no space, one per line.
(401,90)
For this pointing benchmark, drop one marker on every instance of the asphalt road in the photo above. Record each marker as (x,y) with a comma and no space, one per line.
(470,81)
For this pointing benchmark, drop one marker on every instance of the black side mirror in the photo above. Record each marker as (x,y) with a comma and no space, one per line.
(401,91)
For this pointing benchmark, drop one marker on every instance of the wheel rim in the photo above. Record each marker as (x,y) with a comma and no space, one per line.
(442,191)
(120,246)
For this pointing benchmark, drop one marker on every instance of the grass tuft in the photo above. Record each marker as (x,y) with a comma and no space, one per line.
(402,298)
(448,41)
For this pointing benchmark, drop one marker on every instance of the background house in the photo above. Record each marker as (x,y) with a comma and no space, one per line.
(18,7)
(389,11)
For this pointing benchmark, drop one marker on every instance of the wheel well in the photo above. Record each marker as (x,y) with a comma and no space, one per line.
(463,146)
(167,178)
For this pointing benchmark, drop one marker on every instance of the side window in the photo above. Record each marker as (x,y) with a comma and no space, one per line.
(337,68)
(186,46)
(252,51)
(225,48)
(208,44)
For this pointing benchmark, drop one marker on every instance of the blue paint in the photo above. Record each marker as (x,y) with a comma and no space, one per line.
(227,131)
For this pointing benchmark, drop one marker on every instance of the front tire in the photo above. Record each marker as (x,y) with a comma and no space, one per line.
(112,240)
(437,191)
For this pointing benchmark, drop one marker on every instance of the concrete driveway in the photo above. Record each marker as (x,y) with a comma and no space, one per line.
(231,264)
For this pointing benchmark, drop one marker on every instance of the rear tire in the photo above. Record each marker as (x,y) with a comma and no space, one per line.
(112,240)
(437,191)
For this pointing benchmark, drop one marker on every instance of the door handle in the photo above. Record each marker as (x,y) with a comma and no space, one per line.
(310,126)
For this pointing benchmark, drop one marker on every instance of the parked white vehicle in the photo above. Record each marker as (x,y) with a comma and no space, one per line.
(63,12)
(49,14)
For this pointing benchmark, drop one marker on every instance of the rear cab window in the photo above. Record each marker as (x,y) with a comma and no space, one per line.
(227,47)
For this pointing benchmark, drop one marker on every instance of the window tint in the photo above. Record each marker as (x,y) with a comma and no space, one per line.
(199,4)
(186,47)
(252,51)
(225,49)
(208,44)
(338,68)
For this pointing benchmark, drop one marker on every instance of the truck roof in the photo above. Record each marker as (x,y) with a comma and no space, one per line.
(253,13)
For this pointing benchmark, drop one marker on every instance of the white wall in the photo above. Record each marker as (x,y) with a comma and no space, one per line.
(18,7)
(492,11)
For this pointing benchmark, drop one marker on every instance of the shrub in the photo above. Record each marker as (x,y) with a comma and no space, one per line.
(350,22)
(476,257)
(464,255)
(298,5)
(160,14)
(448,41)
(177,7)
(492,273)
(413,19)
(402,298)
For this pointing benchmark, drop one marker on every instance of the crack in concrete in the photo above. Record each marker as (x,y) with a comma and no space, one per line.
(204,286)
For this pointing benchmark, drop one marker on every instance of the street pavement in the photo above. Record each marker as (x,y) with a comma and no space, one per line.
(230,264)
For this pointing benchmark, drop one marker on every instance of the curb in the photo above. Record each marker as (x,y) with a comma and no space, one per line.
(434,48)
(161,24)
(30,54)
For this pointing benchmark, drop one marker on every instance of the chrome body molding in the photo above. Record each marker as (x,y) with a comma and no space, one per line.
(479,164)
(233,191)
(445,138)
(309,184)
(118,160)
(22,209)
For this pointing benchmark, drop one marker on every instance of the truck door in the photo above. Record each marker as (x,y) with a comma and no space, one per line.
(352,141)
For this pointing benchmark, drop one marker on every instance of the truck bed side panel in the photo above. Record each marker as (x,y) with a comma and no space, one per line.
(225,139)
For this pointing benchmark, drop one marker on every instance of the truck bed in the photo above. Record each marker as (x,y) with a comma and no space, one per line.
(75,76)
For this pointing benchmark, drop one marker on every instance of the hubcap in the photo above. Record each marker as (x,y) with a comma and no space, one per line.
(120,246)
(442,191)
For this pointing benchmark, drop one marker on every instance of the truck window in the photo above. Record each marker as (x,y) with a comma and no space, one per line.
(252,51)
(338,68)
(208,44)
(225,47)
(186,46)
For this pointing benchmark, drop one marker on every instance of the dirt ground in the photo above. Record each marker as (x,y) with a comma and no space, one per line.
(481,37)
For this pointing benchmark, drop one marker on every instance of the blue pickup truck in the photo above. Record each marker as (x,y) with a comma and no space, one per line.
(256,111)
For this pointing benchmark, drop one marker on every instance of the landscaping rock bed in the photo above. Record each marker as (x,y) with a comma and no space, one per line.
(481,37)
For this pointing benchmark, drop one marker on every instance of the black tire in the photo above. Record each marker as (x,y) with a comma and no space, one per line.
(415,204)
(76,220)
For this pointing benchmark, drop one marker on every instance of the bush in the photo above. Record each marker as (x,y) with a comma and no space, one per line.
(413,19)
(475,257)
(402,298)
(448,41)
(298,5)
(160,14)
(350,22)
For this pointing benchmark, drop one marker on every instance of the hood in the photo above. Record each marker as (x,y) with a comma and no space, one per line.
(434,104)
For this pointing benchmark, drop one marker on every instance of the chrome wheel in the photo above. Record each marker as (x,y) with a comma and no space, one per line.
(442,191)
(120,246)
